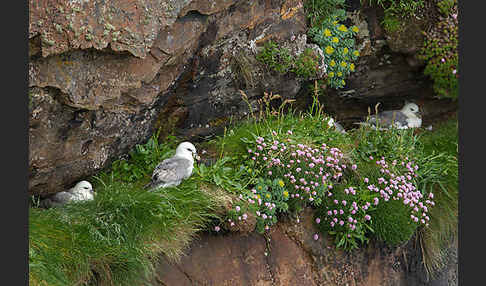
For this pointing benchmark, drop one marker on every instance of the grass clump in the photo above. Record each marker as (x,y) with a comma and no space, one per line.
(117,237)
(441,145)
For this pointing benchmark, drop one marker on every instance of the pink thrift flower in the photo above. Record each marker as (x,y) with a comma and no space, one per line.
(237,208)
(341,222)
(316,236)
(366,180)
(454,71)
(318,220)
(367,217)
(217,228)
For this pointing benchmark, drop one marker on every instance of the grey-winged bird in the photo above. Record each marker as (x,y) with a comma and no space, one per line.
(407,117)
(171,171)
(82,191)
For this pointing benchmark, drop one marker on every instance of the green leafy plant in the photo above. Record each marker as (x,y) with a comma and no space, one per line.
(441,55)
(279,59)
(446,6)
(337,42)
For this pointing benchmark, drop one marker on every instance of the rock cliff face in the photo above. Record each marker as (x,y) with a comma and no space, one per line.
(103,75)
(288,255)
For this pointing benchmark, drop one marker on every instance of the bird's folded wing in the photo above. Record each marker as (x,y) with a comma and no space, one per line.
(62,197)
(386,118)
(172,169)
(56,200)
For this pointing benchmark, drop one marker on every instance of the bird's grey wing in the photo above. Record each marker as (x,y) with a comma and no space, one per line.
(386,118)
(171,170)
(56,200)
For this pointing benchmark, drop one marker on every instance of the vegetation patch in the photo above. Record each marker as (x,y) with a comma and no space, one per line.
(440,52)
(117,237)
(305,65)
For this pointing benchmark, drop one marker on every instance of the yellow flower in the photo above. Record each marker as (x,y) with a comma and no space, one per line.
(335,40)
(343,82)
(356,53)
(345,50)
(340,74)
(342,28)
(351,67)
(281,183)
(332,63)
(335,22)
(355,29)
(331,74)
(327,32)
(329,50)
(258,196)
(343,64)
(286,194)
(267,196)
(259,188)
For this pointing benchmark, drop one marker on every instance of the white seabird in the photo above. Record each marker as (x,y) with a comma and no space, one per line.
(171,171)
(407,117)
(82,191)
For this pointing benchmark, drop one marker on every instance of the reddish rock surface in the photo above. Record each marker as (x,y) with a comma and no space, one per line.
(288,255)
(92,99)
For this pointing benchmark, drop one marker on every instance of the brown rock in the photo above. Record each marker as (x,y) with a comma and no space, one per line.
(288,255)
(207,7)
(235,260)
(408,39)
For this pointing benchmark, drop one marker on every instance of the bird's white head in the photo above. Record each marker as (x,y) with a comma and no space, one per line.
(187,150)
(411,108)
(83,190)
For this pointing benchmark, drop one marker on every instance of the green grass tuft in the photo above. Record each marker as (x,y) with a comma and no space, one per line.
(116,238)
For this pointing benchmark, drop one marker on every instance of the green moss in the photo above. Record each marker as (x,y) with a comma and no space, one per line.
(391,222)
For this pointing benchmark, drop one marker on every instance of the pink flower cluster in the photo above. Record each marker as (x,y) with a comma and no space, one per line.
(308,172)
(400,187)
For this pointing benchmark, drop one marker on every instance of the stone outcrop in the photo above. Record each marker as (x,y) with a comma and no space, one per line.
(289,255)
(92,98)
